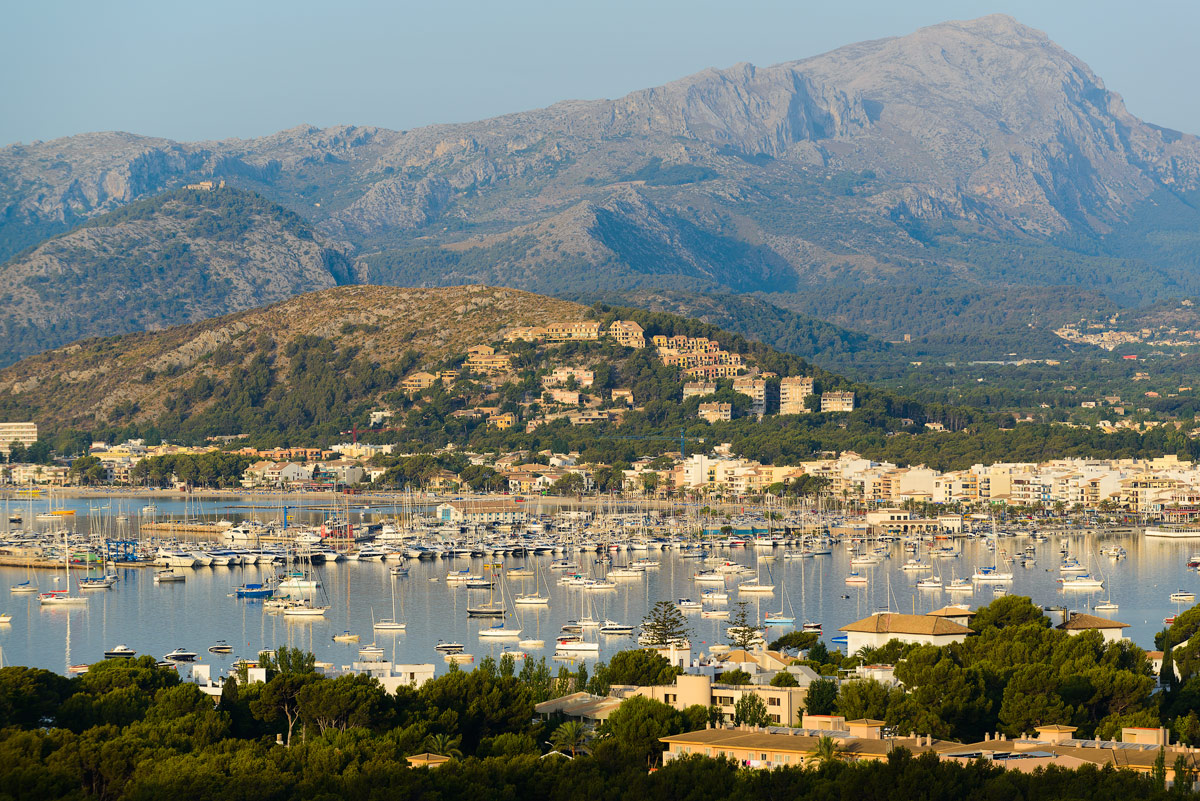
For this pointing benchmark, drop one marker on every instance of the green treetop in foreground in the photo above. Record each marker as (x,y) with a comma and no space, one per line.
(129,730)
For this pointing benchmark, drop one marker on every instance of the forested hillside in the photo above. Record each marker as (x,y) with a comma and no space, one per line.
(178,257)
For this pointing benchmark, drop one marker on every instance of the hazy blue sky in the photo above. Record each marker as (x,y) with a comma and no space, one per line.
(223,68)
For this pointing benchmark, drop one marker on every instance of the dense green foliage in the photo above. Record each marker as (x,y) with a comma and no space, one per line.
(130,730)
(1015,674)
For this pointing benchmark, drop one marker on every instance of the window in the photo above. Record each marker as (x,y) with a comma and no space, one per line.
(782,759)
(776,719)
(763,757)
(708,752)
(772,702)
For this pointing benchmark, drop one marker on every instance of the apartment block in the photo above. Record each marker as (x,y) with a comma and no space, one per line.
(792,392)
(837,402)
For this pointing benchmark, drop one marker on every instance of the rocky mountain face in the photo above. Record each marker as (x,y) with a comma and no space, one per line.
(179,257)
(973,156)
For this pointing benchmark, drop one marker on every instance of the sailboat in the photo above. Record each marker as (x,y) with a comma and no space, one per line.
(535,598)
(62,597)
(393,623)
(499,629)
(757,586)
(489,609)
(779,618)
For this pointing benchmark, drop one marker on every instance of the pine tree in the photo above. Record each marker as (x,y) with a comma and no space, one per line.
(664,624)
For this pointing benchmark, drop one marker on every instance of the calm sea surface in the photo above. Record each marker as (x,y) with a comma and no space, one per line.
(155,619)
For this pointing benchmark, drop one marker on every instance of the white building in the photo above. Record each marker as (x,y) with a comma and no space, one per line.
(880,628)
(479,512)
(1110,630)
(24,433)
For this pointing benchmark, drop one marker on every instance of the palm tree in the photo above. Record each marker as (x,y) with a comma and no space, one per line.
(825,752)
(570,736)
(443,745)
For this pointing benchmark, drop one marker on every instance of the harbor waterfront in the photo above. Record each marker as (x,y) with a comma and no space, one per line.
(616,582)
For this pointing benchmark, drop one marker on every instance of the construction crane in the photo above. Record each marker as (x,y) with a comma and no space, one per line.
(682,439)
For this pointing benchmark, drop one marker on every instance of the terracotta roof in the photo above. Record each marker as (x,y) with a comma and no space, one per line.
(893,623)
(800,743)
(951,611)
(1082,622)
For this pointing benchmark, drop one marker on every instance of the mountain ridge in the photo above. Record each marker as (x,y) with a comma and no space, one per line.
(976,155)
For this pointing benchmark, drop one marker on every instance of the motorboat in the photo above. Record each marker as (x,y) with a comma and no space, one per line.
(688,603)
(611,627)
(345,636)
(370,653)
(180,655)
(856,578)
(499,630)
(220,647)
(811,628)
(163,576)
(1183,596)
(120,652)
(448,647)
(574,643)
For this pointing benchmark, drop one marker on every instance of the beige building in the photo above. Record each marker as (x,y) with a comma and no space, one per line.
(561,375)
(24,433)
(754,388)
(784,704)
(581,330)
(715,412)
(484,359)
(699,389)
(627,333)
(792,392)
(417,382)
(837,402)
(525,334)
(863,739)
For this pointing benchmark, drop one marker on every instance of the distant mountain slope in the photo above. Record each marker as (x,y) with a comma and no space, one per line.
(140,377)
(757,319)
(976,157)
(179,257)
